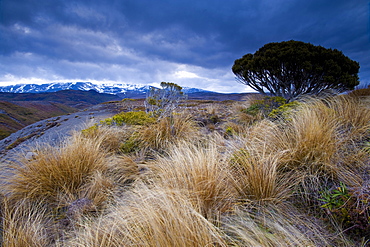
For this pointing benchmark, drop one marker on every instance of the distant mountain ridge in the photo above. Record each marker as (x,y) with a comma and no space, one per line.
(121,89)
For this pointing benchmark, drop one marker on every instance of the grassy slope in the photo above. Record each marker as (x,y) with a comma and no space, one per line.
(73,98)
(224,181)
(20,110)
(17,115)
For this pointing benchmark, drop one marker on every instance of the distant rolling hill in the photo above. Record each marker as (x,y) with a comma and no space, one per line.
(18,110)
(73,98)
(15,116)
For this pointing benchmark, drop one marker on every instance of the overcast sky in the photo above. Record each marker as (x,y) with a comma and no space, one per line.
(189,42)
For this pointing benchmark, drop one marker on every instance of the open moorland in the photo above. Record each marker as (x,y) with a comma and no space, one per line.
(255,172)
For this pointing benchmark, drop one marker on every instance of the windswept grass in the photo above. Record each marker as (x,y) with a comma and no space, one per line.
(111,137)
(326,137)
(274,226)
(25,226)
(165,133)
(58,170)
(298,180)
(150,217)
(258,177)
(201,174)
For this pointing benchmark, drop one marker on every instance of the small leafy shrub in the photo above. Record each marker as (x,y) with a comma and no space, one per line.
(131,118)
(91,131)
(283,111)
(264,106)
(131,145)
(336,198)
(229,131)
(350,207)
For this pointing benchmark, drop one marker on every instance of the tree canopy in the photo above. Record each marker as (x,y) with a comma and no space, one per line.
(293,68)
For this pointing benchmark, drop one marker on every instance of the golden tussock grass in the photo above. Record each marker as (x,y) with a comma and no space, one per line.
(201,174)
(79,168)
(167,131)
(150,217)
(276,226)
(257,176)
(57,170)
(325,136)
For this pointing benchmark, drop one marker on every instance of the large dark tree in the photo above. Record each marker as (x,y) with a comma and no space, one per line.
(294,68)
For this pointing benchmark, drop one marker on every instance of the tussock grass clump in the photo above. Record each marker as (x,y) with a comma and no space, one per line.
(201,174)
(257,176)
(111,137)
(326,136)
(56,171)
(150,217)
(167,131)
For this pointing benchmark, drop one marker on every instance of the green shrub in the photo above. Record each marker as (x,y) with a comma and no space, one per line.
(350,207)
(91,130)
(130,118)
(264,106)
(283,110)
(131,145)
(229,131)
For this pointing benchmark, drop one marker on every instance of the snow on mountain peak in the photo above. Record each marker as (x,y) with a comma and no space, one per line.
(110,88)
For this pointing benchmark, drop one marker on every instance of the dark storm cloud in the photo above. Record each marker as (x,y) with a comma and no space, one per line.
(193,41)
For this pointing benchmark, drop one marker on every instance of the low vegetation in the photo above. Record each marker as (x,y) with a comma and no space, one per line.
(14,117)
(258,172)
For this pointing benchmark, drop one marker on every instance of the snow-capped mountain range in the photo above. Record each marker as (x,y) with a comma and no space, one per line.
(117,89)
